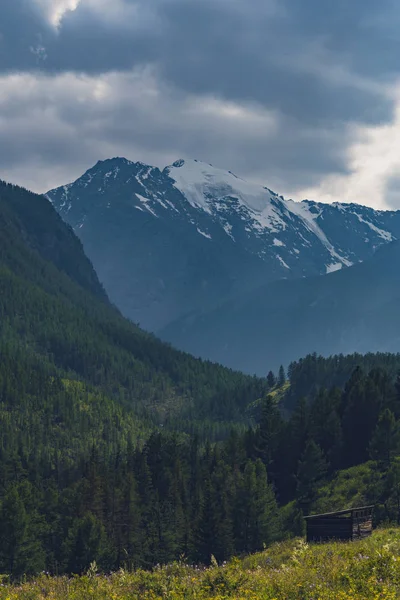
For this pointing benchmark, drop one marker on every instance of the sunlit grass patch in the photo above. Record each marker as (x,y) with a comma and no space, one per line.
(292,570)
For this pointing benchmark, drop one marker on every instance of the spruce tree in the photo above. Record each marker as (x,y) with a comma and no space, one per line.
(271,380)
(20,545)
(311,470)
(268,524)
(256,513)
(281,376)
(271,424)
(205,538)
(87,542)
(385,442)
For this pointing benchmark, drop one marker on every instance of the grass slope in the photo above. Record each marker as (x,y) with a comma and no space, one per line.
(365,570)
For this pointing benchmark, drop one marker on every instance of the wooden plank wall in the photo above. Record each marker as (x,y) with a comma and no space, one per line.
(350,525)
(329,528)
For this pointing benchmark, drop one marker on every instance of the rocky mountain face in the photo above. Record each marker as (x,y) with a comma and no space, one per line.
(167,243)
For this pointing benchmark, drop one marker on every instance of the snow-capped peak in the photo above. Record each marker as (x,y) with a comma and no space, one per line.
(293,238)
(200,182)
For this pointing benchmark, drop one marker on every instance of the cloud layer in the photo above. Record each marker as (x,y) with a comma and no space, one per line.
(299,95)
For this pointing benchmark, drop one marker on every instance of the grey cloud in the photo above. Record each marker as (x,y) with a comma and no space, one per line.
(22,27)
(392,192)
(67,134)
(205,46)
(358,31)
(241,57)
(278,55)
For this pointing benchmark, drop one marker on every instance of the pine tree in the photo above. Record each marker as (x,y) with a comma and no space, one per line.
(325,426)
(268,524)
(87,543)
(256,514)
(128,519)
(312,468)
(281,376)
(385,442)
(271,424)
(206,529)
(363,402)
(20,546)
(246,509)
(292,443)
(223,494)
(271,380)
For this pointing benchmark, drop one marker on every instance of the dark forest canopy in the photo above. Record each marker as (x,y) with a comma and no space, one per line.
(82,480)
(87,473)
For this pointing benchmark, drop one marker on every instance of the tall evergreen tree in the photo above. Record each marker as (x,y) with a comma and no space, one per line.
(87,543)
(271,380)
(311,470)
(21,551)
(385,442)
(205,534)
(281,376)
(271,424)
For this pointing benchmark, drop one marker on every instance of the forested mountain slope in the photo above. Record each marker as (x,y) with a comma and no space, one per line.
(87,473)
(81,390)
(53,306)
(34,240)
(352,310)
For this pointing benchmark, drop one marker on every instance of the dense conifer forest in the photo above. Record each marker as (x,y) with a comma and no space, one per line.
(115,448)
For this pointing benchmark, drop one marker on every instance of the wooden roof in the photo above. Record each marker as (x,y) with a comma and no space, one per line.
(339,513)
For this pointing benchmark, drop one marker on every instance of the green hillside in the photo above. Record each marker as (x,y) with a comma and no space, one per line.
(37,245)
(118,449)
(81,391)
(53,306)
(365,570)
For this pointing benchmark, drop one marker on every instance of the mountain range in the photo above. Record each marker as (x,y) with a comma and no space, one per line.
(352,310)
(228,269)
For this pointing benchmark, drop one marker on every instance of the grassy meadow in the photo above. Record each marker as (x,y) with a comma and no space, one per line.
(292,570)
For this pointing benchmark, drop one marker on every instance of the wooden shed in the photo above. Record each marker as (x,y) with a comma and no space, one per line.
(350,524)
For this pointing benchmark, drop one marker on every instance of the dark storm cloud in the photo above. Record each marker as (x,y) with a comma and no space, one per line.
(22,31)
(363,32)
(245,55)
(315,65)
(53,128)
(239,49)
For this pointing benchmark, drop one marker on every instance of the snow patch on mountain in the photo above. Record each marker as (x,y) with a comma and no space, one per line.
(385,235)
(228,230)
(214,190)
(206,235)
(334,267)
(309,214)
(201,183)
(146,201)
(282,262)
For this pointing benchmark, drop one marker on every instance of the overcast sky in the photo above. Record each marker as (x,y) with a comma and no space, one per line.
(300,95)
